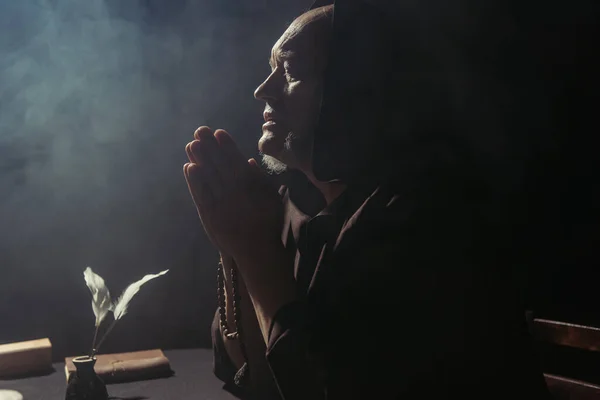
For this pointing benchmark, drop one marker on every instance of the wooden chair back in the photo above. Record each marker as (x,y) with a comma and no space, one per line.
(570,358)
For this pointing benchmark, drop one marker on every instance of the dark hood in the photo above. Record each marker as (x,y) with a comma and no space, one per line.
(507,89)
(384,99)
(413,83)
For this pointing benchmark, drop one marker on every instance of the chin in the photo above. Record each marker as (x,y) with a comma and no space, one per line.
(272,143)
(276,148)
(272,153)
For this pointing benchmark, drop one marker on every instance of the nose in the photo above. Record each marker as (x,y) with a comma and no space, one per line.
(267,91)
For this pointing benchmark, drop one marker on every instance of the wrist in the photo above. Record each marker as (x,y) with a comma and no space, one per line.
(267,270)
(258,249)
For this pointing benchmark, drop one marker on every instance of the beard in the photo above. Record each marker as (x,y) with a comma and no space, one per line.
(273,165)
(295,151)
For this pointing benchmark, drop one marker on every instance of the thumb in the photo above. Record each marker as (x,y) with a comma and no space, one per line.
(261,175)
(253,163)
(255,169)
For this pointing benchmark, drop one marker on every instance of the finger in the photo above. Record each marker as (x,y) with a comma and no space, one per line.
(217,155)
(256,170)
(230,150)
(204,150)
(207,148)
(203,130)
(260,176)
(204,142)
(235,168)
(227,168)
(194,185)
(188,151)
(253,163)
(198,196)
(253,172)
(199,187)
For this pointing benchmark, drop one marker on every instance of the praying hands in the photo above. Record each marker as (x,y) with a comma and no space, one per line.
(242,214)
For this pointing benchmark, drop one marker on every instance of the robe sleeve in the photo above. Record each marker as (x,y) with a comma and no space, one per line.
(287,354)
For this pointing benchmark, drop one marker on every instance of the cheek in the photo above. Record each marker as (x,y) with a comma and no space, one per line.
(303,102)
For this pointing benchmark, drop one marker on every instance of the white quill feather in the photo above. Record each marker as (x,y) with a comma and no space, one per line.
(101,302)
(120,306)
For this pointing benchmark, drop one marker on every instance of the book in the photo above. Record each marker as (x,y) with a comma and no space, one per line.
(127,367)
(26,358)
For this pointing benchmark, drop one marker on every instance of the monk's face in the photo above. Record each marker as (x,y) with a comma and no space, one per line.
(292,93)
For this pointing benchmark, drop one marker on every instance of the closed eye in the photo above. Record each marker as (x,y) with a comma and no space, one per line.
(290,73)
(290,77)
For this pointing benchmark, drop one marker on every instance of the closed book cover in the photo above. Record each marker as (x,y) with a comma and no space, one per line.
(32,357)
(127,367)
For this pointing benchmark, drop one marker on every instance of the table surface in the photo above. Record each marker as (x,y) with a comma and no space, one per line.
(193,379)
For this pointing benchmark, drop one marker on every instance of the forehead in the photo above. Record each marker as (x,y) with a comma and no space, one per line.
(299,41)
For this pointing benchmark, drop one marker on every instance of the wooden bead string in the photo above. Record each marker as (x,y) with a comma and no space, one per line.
(223,303)
(242,376)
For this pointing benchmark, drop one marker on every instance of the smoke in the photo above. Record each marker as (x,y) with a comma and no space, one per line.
(97,101)
(76,95)
(83,115)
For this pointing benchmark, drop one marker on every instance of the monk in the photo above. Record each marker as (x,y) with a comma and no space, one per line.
(368,274)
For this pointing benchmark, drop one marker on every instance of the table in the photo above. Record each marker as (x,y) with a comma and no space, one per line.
(193,379)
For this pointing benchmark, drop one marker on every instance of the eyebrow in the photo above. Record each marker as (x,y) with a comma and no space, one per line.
(280,55)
